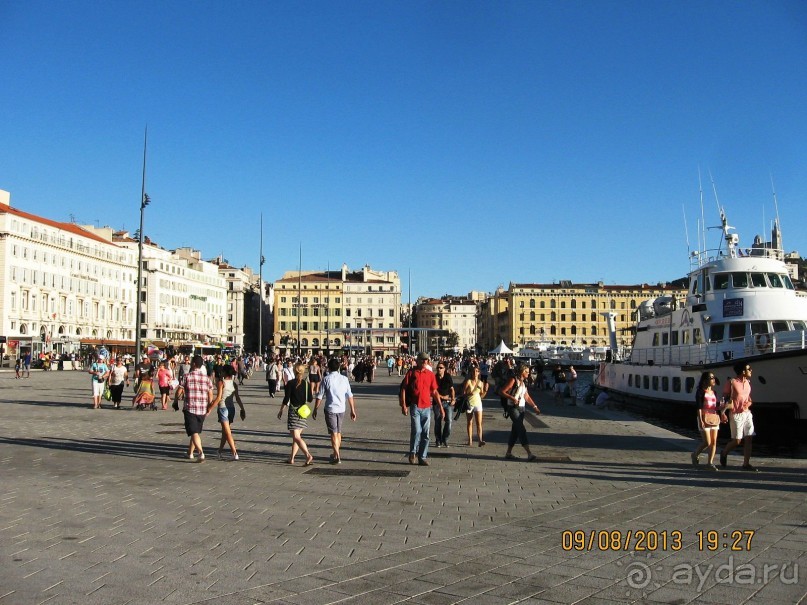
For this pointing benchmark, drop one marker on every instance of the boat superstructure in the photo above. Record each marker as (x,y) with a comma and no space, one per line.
(741,306)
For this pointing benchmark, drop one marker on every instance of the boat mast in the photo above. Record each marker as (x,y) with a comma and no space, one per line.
(731,239)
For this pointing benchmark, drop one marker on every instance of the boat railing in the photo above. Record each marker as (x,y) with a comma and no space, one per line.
(717,352)
(703,257)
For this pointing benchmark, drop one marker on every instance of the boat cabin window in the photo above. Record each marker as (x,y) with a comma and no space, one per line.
(779,326)
(758,280)
(697,337)
(694,288)
(655,383)
(739,280)
(685,337)
(665,339)
(716,332)
(690,384)
(674,338)
(775,280)
(676,384)
(646,382)
(788,283)
(630,380)
(721,281)
(736,331)
(799,325)
(637,381)
(655,339)
(708,286)
(759,327)
(665,383)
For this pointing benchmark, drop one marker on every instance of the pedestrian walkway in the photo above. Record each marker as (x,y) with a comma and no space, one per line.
(98,506)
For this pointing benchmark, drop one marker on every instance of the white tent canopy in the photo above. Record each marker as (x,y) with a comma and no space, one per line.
(502,349)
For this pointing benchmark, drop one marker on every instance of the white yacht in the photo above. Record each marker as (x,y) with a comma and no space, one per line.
(741,306)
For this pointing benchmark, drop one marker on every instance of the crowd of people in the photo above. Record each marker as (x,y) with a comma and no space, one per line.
(427,390)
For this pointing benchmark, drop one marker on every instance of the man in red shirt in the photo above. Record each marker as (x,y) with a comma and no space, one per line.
(418,392)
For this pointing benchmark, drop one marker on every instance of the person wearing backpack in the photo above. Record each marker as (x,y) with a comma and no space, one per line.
(417,393)
(517,395)
(502,373)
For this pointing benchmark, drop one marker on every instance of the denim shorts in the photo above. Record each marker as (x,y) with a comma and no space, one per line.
(227,414)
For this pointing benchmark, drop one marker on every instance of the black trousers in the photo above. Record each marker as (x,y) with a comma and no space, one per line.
(517,431)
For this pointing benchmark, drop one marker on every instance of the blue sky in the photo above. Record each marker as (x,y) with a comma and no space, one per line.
(468,144)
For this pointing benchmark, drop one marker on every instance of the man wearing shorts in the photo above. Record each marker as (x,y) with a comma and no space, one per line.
(737,397)
(334,388)
(197,390)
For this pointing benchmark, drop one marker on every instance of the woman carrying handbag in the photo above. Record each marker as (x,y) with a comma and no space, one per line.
(298,395)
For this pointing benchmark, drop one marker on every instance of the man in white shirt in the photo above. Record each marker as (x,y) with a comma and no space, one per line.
(334,388)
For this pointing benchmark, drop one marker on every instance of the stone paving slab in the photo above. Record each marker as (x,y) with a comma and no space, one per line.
(98,506)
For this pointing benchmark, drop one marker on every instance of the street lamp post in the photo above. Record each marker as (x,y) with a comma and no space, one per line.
(144,201)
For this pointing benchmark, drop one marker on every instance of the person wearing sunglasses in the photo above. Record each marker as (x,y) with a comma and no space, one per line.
(737,400)
(445,391)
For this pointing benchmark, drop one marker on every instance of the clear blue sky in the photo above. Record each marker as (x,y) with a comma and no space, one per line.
(471,143)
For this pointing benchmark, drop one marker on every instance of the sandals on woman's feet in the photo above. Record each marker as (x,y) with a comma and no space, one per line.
(310,461)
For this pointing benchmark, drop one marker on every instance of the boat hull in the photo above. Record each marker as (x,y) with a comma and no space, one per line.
(778,385)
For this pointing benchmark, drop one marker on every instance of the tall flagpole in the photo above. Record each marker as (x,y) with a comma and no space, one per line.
(299,299)
(328,311)
(411,345)
(261,260)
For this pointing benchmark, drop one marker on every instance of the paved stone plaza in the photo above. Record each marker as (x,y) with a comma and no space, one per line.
(99,507)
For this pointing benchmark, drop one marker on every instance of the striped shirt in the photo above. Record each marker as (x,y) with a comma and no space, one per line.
(197,387)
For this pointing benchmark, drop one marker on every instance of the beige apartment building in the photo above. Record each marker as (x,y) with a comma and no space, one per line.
(448,314)
(337,310)
(563,313)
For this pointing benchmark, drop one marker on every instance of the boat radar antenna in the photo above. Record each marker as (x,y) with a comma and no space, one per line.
(686,228)
(731,239)
(702,226)
(777,228)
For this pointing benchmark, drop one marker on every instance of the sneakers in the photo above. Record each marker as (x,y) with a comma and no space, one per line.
(695,459)
(749,468)
(411,459)
(423,462)
(724,460)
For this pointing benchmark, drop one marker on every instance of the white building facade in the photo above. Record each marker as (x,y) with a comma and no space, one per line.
(63,285)
(183,298)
